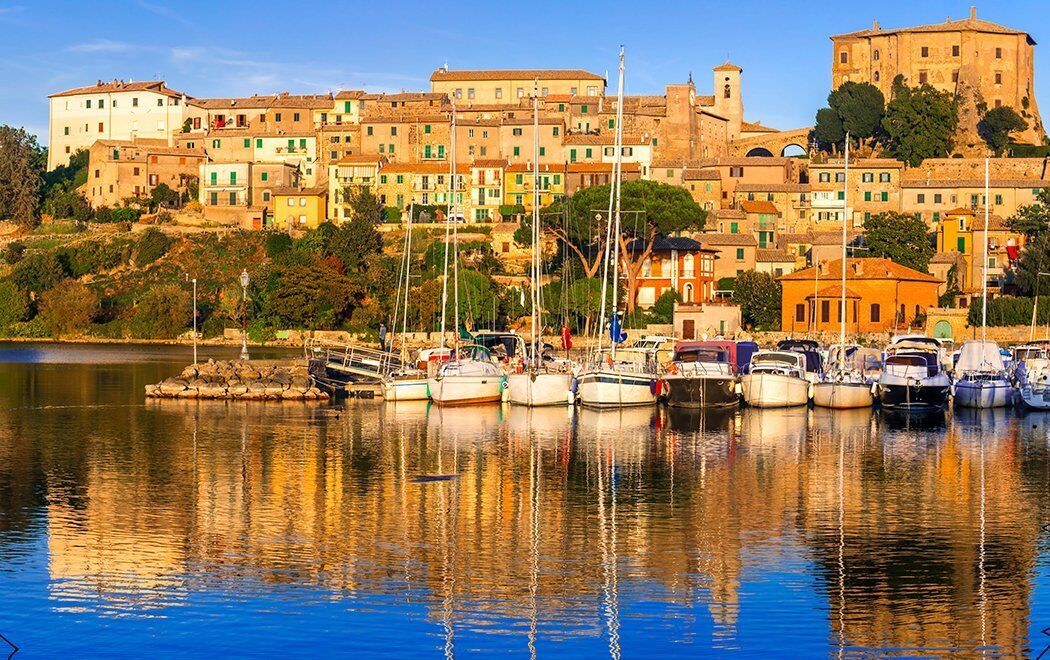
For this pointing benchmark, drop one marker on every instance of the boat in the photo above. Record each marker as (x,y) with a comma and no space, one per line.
(701,375)
(810,350)
(981,380)
(470,376)
(536,382)
(776,379)
(841,387)
(608,380)
(1031,374)
(407,382)
(912,377)
(656,349)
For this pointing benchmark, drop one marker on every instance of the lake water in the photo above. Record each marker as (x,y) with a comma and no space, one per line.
(189,529)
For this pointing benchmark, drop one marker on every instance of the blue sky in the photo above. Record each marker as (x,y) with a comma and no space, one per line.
(236,47)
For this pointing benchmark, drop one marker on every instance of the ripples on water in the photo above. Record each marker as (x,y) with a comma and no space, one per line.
(207,528)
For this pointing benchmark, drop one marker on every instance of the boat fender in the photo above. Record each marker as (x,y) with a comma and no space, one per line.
(654,387)
(875,389)
(503,383)
(810,391)
(951,390)
(570,396)
(574,385)
(672,368)
(739,389)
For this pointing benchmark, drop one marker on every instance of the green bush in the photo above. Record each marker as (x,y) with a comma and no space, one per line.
(31,329)
(277,243)
(68,308)
(163,313)
(14,251)
(14,304)
(114,329)
(1009,310)
(152,245)
(38,272)
(511,209)
(391,214)
(104,214)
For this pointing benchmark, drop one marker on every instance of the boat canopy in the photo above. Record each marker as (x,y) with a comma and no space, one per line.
(789,358)
(978,355)
(797,345)
(744,351)
(705,351)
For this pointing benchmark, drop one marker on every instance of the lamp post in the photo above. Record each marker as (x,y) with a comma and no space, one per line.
(244,314)
(194,320)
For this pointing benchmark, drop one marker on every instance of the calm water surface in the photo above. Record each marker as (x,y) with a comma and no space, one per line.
(189,529)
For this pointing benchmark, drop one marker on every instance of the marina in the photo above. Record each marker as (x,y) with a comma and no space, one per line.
(350,526)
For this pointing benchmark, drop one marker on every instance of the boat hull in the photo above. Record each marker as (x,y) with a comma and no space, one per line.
(700,391)
(542,389)
(612,389)
(406,389)
(913,396)
(763,390)
(458,390)
(842,396)
(995,393)
(1035,400)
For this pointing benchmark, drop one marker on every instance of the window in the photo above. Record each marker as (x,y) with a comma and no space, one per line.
(998,53)
(734,227)
(400,178)
(65,131)
(955,76)
(233,178)
(736,172)
(277,116)
(937,198)
(800,313)
(214,178)
(216,144)
(998,78)
(924,51)
(213,199)
(499,92)
(517,179)
(382,178)
(923,77)
(266,195)
(587,152)
(101,103)
(840,194)
(134,101)
(825,311)
(955,51)
(867,177)
(556,131)
(302,143)
(368,130)
(885,196)
(739,254)
(920,198)
(302,201)
(543,151)
(291,201)
(840,177)
(521,92)
(87,104)
(543,91)
(516,131)
(936,216)
(247,143)
(160,103)
(295,116)
(884,177)
(867,195)
(517,151)
(426,151)
(470,92)
(960,244)
(101,127)
(393,131)
(875,56)
(876,313)
(233,199)
(998,200)
(572,156)
(843,57)
(426,129)
(583,109)
(824,177)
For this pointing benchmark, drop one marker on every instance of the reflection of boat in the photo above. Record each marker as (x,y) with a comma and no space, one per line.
(469,377)
(912,377)
(914,419)
(551,421)
(629,421)
(407,410)
(469,421)
(981,377)
(776,379)
(706,420)
(840,421)
(987,418)
(701,376)
(759,425)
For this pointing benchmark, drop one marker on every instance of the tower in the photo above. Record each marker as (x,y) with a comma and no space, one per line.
(729,102)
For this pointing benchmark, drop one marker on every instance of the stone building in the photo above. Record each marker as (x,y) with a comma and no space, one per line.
(983,64)
(119,169)
(506,86)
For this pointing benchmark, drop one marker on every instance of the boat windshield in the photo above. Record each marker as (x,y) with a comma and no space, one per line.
(701,355)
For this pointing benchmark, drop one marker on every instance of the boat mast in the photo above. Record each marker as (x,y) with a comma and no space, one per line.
(984,267)
(845,219)
(455,229)
(444,270)
(408,276)
(618,146)
(535,220)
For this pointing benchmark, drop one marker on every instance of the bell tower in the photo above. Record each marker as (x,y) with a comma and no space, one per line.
(729,102)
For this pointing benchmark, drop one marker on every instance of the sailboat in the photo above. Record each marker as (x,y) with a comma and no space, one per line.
(842,387)
(609,382)
(535,384)
(981,380)
(407,383)
(470,375)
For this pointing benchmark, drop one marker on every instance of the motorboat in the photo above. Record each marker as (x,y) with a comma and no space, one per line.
(701,375)
(776,379)
(1031,374)
(912,376)
(848,382)
(469,376)
(657,350)
(814,363)
(980,376)
(406,385)
(611,382)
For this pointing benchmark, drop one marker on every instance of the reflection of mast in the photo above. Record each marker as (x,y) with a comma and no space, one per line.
(449,503)
(842,547)
(534,529)
(980,562)
(609,558)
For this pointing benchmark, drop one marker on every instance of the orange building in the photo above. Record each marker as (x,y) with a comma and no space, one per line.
(679,263)
(874,289)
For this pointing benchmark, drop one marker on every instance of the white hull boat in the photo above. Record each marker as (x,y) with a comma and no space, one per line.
(1035,399)
(992,392)
(768,390)
(406,388)
(842,395)
(981,377)
(467,381)
(540,389)
(610,387)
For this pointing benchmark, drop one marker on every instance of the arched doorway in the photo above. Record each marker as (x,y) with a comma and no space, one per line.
(942,330)
(759,152)
(793,151)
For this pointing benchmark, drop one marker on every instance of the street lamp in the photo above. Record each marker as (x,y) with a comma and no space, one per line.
(194,320)
(244,313)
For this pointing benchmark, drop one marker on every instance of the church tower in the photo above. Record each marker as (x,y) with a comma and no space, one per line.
(729,102)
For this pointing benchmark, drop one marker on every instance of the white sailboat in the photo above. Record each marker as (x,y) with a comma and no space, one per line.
(407,383)
(842,387)
(609,382)
(536,384)
(469,376)
(981,379)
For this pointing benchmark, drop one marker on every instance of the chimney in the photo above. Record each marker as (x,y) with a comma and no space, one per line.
(973,12)
(875,25)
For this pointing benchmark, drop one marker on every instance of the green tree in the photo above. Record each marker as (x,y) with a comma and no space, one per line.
(663,308)
(14,304)
(1032,219)
(164,312)
(152,245)
(358,236)
(919,122)
(759,296)
(856,108)
(277,244)
(21,170)
(38,272)
(1035,258)
(899,237)
(997,125)
(68,308)
(828,131)
(316,295)
(163,196)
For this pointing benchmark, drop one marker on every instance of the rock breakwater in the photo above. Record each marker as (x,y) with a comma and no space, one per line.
(236,379)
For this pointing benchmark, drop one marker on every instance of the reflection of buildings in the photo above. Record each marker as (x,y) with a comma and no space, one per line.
(553,512)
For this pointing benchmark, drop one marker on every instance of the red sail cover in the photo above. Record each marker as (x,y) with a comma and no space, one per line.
(566,338)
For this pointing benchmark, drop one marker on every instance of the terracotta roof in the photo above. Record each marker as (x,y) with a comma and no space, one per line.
(773,256)
(544,167)
(344,94)
(489,162)
(583,168)
(787,238)
(832,237)
(701,175)
(735,214)
(289,190)
(282,100)
(156,86)
(758,206)
(756,127)
(834,291)
(668,243)
(946,257)
(772,187)
(439,167)
(513,74)
(742,240)
(727,66)
(866,268)
(971,24)
(360,159)
(150,149)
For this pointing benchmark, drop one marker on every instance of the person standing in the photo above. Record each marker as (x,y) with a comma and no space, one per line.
(382,336)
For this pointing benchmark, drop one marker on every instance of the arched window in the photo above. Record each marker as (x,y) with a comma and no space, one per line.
(875,56)
(688,269)
(728,91)
(876,76)
(687,294)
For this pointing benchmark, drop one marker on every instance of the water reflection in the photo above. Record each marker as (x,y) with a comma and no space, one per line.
(622,532)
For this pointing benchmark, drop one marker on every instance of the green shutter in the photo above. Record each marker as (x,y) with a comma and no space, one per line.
(517,179)
(233,178)
(572,155)
(400,178)
(441,151)
(960,243)
(302,143)
(247,143)
(382,179)
(258,143)
(426,151)
(517,151)
(426,129)
(583,109)
(612,124)
(214,178)
(740,253)
(291,145)
(346,106)
(733,228)
(543,151)
(557,179)
(867,195)
(265,176)
(885,197)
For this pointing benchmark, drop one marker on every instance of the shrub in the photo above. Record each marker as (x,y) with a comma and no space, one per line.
(1009,310)
(277,243)
(68,308)
(38,272)
(511,209)
(152,245)
(391,214)
(14,304)
(14,251)
(163,313)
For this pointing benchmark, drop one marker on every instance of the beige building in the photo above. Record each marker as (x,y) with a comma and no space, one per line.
(116,110)
(119,169)
(350,171)
(507,86)
(980,62)
(874,187)
(241,193)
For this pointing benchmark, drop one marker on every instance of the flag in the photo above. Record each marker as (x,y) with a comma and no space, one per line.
(615,332)
(566,338)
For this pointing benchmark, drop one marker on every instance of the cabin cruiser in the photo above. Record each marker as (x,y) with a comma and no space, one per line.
(469,376)
(912,376)
(656,350)
(701,375)
(849,379)
(776,379)
(980,377)
(1031,374)
(814,363)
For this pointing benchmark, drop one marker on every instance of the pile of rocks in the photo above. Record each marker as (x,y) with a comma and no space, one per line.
(236,379)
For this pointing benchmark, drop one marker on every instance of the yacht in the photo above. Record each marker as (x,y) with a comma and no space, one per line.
(470,376)
(701,375)
(981,380)
(912,375)
(1031,374)
(776,379)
